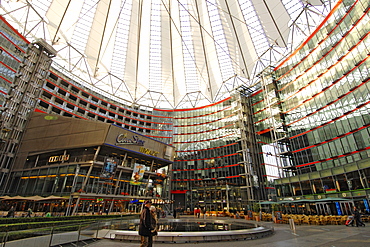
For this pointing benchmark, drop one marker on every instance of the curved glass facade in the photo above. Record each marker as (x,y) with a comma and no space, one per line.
(210,169)
(314,107)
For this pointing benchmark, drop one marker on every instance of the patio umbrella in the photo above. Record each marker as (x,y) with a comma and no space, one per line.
(35,198)
(53,198)
(3,198)
(17,198)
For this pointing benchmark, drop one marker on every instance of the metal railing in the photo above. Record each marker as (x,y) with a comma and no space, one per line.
(85,231)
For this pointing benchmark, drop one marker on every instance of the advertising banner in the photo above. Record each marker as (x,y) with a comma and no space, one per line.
(159,178)
(137,174)
(109,167)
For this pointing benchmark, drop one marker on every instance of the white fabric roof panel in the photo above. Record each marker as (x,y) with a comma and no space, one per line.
(172,54)
(213,66)
(130,74)
(246,54)
(174,49)
(274,19)
(60,27)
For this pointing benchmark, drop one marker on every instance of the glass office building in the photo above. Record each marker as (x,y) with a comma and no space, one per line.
(216,157)
(314,107)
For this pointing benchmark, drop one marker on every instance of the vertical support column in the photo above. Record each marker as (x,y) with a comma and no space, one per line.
(72,192)
(147,184)
(83,185)
(117,183)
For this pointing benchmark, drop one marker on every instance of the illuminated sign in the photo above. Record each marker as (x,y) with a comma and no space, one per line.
(64,157)
(123,139)
(148,151)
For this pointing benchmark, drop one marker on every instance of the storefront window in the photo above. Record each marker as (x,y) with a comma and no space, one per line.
(328,184)
(353,180)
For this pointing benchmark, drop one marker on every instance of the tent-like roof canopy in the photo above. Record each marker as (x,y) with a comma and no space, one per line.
(167,53)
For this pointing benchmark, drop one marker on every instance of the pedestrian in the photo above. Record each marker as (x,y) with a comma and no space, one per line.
(145,226)
(178,212)
(154,219)
(29,212)
(357,216)
(197,212)
(174,213)
(11,212)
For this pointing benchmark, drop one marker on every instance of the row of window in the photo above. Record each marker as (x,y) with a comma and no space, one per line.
(341,17)
(347,181)
(62,98)
(57,84)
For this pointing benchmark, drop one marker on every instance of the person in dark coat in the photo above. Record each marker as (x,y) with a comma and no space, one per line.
(145,226)
(153,212)
(357,217)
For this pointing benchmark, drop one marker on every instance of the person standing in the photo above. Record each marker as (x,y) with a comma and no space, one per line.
(145,226)
(29,212)
(204,212)
(11,212)
(174,213)
(197,212)
(153,213)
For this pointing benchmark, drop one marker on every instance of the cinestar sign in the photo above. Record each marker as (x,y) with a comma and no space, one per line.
(134,140)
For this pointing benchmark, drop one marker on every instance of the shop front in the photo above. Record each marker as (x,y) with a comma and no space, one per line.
(99,167)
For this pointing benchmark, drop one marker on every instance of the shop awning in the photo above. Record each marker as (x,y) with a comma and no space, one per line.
(333,199)
(304,201)
(284,202)
(267,203)
(328,199)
